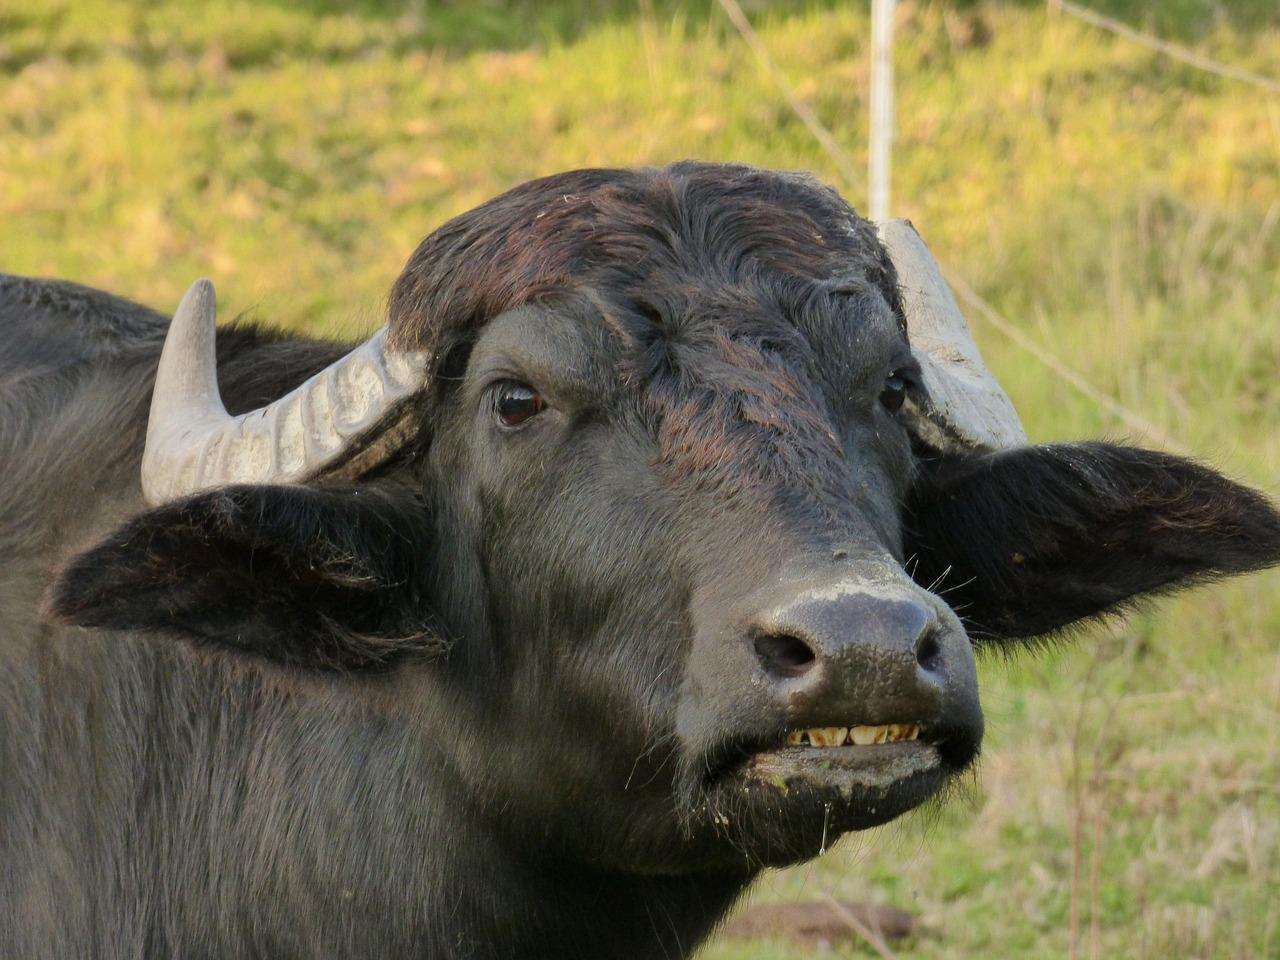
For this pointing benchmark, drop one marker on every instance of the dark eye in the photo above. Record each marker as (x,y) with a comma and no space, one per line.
(514,403)
(894,392)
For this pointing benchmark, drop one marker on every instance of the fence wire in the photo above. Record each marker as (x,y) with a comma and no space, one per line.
(1172,50)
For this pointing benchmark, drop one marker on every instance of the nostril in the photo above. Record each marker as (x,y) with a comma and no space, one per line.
(929,652)
(784,656)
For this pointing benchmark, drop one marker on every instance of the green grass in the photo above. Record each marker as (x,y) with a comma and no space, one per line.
(1123,209)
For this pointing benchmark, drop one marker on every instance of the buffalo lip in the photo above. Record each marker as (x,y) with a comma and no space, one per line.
(824,792)
(849,767)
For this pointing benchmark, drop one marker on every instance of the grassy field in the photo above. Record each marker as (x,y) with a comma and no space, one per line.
(1122,209)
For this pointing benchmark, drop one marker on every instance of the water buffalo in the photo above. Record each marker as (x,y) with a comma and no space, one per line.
(602,577)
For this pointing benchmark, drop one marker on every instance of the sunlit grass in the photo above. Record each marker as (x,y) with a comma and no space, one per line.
(1122,209)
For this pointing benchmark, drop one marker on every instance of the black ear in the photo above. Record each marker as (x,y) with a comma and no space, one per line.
(318,578)
(1032,539)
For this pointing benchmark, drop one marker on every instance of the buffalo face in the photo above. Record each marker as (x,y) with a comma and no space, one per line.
(681,535)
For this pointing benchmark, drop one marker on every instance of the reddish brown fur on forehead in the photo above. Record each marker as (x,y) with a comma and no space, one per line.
(629,233)
(746,416)
(697,270)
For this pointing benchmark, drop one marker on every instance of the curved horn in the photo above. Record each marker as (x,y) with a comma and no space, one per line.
(342,415)
(966,408)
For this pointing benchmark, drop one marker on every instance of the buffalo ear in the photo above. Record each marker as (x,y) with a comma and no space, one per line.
(316,578)
(1030,540)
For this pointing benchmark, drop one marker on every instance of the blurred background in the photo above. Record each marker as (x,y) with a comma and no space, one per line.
(1118,210)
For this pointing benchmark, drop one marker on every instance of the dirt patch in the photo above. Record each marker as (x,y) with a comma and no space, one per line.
(819,924)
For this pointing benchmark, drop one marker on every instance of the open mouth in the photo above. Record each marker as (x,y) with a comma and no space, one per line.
(884,767)
(848,759)
(788,794)
(879,752)
(858,735)
(879,769)
(791,794)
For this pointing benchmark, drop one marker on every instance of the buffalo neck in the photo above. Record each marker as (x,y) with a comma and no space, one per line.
(197,805)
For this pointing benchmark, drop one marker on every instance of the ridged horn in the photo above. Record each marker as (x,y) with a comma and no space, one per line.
(966,409)
(349,414)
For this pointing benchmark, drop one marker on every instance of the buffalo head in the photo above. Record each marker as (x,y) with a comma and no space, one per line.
(667,510)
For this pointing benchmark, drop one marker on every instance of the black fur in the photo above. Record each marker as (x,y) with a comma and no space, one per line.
(1031,540)
(494,701)
(322,579)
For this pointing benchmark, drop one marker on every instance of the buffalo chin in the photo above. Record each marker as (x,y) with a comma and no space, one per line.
(786,806)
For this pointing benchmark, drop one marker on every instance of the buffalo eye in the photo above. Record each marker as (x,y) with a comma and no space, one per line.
(894,392)
(514,403)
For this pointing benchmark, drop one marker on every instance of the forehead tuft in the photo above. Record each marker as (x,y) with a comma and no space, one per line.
(640,236)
